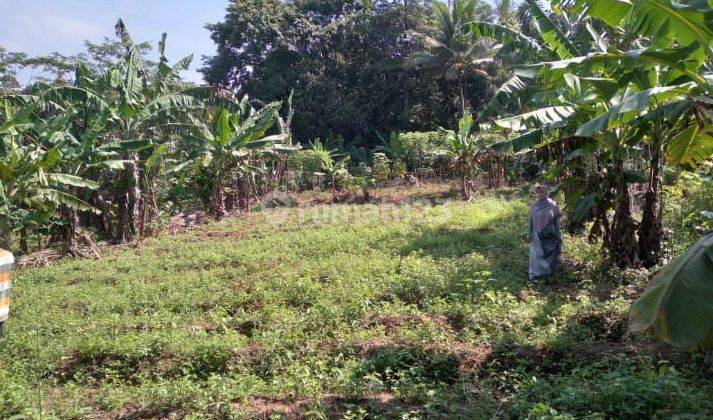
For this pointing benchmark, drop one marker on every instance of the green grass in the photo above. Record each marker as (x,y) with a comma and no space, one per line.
(339,311)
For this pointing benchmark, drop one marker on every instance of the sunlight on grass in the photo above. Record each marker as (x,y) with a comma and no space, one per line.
(425,309)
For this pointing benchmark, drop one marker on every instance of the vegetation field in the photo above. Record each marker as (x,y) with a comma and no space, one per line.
(408,310)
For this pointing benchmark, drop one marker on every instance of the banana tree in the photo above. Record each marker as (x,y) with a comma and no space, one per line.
(622,100)
(228,148)
(464,144)
(139,104)
(32,189)
(678,305)
(141,107)
(330,163)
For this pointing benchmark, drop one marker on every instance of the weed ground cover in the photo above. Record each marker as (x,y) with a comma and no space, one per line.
(339,311)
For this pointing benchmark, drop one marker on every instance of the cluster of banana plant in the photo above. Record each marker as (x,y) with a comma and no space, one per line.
(96,153)
(619,89)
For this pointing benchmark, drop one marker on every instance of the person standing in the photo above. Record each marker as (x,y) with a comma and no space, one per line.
(543,234)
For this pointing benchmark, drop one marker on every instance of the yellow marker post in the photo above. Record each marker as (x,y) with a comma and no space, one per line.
(6,262)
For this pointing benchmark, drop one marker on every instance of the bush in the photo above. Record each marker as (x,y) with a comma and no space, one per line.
(418,145)
(381,169)
(342,177)
(305,163)
(399,169)
(689,208)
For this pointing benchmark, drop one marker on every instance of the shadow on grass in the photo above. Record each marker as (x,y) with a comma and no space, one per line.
(498,245)
(500,242)
(444,381)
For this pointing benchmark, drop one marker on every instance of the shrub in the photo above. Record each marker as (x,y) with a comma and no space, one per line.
(342,177)
(381,169)
(418,145)
(399,169)
(305,163)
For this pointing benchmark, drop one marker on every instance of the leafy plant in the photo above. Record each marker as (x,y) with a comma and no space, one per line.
(678,307)
(228,148)
(381,168)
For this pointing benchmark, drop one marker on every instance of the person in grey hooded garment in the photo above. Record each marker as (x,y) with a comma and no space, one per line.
(543,233)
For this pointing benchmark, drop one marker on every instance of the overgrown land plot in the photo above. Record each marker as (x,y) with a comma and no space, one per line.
(340,311)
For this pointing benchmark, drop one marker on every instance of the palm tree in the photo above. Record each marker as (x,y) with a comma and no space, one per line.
(454,51)
(505,13)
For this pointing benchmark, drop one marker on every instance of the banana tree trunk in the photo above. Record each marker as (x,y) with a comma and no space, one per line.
(217,200)
(280,172)
(150,206)
(235,196)
(102,221)
(650,230)
(129,203)
(623,247)
(72,229)
(466,185)
(24,248)
(246,193)
(466,177)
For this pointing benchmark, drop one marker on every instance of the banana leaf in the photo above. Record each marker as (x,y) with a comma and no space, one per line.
(679,305)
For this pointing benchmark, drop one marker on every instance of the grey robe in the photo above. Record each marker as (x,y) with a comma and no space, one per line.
(546,240)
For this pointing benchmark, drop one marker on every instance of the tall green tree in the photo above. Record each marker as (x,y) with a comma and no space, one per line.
(340,58)
(454,51)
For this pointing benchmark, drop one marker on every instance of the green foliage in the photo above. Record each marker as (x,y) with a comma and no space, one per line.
(340,58)
(456,51)
(399,169)
(689,206)
(127,143)
(678,305)
(231,148)
(421,147)
(381,169)
(610,104)
(306,163)
(424,307)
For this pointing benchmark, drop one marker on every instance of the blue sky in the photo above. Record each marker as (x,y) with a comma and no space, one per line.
(40,27)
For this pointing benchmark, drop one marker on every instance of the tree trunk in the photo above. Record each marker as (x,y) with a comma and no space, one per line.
(72,219)
(466,183)
(102,221)
(462,96)
(136,198)
(235,196)
(248,190)
(150,207)
(623,247)
(650,230)
(24,248)
(217,205)
(129,201)
(123,229)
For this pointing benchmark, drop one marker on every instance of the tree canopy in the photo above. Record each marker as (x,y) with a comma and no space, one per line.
(343,58)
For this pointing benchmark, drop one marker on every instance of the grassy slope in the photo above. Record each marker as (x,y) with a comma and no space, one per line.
(337,310)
